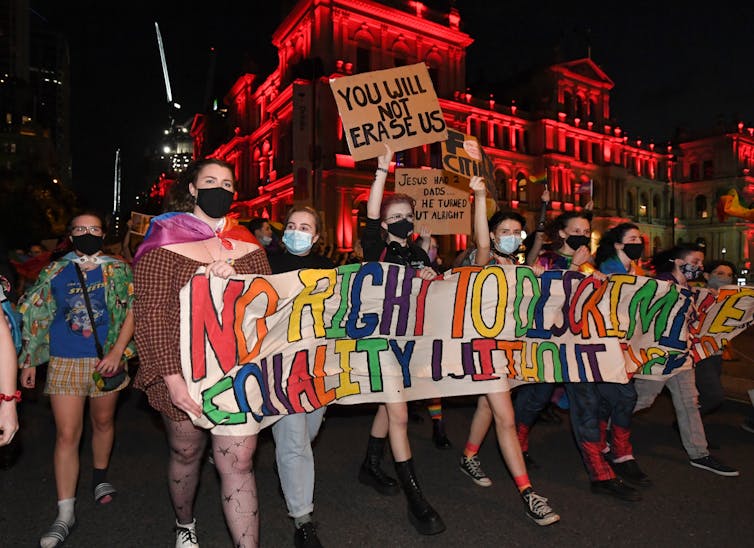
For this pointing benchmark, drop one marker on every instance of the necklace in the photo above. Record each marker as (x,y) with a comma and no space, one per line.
(224,244)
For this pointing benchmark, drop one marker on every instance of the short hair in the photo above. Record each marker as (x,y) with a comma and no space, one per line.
(311,211)
(712,265)
(501,216)
(663,261)
(178,197)
(396,199)
(91,212)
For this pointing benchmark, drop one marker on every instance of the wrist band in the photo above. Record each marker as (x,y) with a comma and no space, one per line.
(11,397)
(382,169)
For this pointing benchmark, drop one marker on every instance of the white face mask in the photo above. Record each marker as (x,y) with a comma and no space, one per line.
(265,240)
(297,242)
(508,244)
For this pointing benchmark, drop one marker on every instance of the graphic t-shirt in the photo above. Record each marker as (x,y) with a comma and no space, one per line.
(71,330)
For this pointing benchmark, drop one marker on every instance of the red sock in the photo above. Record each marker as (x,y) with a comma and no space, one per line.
(522,482)
(470,450)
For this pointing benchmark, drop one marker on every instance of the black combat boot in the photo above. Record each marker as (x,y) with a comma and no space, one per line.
(371,472)
(420,513)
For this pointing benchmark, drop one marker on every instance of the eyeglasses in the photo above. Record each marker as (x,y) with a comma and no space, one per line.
(79,230)
(398,217)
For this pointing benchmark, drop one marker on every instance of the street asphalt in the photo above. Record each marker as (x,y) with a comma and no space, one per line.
(685,506)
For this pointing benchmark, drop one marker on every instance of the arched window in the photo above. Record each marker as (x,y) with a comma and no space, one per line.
(656,211)
(630,203)
(364,42)
(400,53)
(700,205)
(643,205)
(567,102)
(501,184)
(434,62)
(521,186)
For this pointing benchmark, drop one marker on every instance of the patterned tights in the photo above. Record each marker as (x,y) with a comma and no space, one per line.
(233,457)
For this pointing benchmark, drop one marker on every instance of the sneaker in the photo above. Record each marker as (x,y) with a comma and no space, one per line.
(748,425)
(472,468)
(629,471)
(616,488)
(306,536)
(185,535)
(538,509)
(713,465)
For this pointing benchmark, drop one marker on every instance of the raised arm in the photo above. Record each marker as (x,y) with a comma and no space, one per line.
(378,186)
(539,233)
(481,230)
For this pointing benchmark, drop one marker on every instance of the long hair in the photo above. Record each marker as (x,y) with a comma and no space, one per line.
(606,248)
(178,197)
(560,222)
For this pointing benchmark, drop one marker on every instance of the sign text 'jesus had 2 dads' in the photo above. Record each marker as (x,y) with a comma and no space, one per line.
(395,106)
(442,201)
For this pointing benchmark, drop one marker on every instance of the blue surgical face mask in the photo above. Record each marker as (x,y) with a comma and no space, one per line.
(716,282)
(297,242)
(508,244)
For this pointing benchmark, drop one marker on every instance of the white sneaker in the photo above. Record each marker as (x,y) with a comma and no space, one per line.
(185,535)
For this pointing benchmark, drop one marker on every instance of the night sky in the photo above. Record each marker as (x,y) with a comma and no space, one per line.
(672,68)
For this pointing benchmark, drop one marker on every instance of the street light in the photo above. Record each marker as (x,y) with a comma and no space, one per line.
(723,251)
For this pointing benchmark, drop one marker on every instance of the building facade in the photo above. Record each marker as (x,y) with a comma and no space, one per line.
(287,143)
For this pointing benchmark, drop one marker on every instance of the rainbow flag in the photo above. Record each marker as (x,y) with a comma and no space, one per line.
(584,188)
(540,178)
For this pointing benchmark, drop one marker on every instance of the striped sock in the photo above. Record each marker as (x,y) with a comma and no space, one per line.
(435,409)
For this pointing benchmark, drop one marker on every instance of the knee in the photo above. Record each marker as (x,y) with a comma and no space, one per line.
(186,454)
(68,437)
(103,424)
(397,417)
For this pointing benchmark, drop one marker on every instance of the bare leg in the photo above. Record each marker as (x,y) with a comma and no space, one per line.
(505,427)
(380,424)
(397,414)
(481,422)
(234,460)
(69,423)
(102,414)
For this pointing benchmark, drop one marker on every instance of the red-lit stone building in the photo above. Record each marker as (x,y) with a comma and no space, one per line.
(288,144)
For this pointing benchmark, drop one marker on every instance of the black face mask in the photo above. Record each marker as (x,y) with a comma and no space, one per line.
(575,242)
(215,202)
(633,251)
(401,229)
(88,244)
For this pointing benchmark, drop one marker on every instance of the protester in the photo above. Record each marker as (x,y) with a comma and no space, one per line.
(617,253)
(9,393)
(294,434)
(78,317)
(176,245)
(682,264)
(497,242)
(395,216)
(570,237)
(708,371)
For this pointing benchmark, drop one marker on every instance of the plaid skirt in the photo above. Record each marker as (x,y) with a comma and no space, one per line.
(73,377)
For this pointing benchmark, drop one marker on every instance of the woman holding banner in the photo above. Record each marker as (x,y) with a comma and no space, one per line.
(618,252)
(498,241)
(294,433)
(176,245)
(386,238)
(570,234)
(681,265)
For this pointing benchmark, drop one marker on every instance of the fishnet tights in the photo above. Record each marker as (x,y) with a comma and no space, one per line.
(233,457)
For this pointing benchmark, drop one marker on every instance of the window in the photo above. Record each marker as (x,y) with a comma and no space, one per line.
(700,203)
(363,59)
(694,172)
(708,169)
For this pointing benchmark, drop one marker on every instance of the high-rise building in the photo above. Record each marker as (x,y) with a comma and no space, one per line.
(288,146)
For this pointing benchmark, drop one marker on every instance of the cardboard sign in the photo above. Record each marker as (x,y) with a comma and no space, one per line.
(463,155)
(442,206)
(140,223)
(396,106)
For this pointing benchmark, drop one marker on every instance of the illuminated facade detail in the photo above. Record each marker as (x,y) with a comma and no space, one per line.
(288,144)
